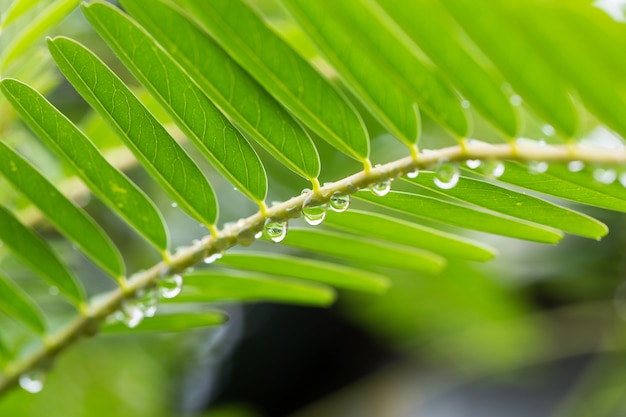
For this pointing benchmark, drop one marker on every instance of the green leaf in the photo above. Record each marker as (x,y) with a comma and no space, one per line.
(516,204)
(432,29)
(151,144)
(71,145)
(61,212)
(332,27)
(18,305)
(229,86)
(519,60)
(52,15)
(283,73)
(5,352)
(36,253)
(559,182)
(454,214)
(169,323)
(16,9)
(325,272)
(410,234)
(210,285)
(356,248)
(192,111)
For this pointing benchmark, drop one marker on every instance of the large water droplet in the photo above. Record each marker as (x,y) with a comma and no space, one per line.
(575,166)
(174,204)
(446,176)
(604,176)
(493,169)
(314,210)
(276,230)
(339,201)
(537,167)
(382,188)
(32,381)
(170,287)
(473,163)
(413,174)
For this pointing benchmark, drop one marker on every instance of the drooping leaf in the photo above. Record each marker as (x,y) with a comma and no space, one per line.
(61,212)
(169,323)
(151,144)
(410,234)
(211,285)
(73,147)
(559,182)
(203,123)
(18,305)
(325,272)
(229,86)
(463,216)
(36,253)
(284,74)
(431,27)
(332,27)
(500,37)
(356,248)
(53,14)
(517,204)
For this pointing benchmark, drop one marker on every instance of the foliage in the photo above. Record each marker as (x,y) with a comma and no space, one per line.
(267,100)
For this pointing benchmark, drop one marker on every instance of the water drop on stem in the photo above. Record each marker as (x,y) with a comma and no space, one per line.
(447,175)
(382,188)
(32,381)
(275,230)
(314,210)
(339,201)
(170,287)
(537,167)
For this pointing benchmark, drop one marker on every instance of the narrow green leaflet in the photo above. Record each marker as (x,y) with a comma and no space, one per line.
(431,27)
(36,253)
(559,182)
(5,352)
(61,212)
(379,86)
(402,232)
(211,285)
(71,145)
(151,144)
(518,59)
(193,112)
(284,74)
(517,204)
(314,270)
(229,86)
(19,306)
(15,11)
(170,323)
(455,214)
(32,31)
(356,248)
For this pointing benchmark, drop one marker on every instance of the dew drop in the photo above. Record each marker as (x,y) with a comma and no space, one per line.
(275,230)
(466,104)
(547,130)
(174,204)
(32,381)
(537,167)
(413,174)
(447,176)
(493,169)
(473,163)
(382,188)
(213,257)
(622,179)
(604,176)
(258,235)
(143,305)
(339,201)
(575,166)
(515,100)
(314,211)
(170,287)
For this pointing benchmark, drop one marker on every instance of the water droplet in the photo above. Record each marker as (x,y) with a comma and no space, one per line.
(413,174)
(339,201)
(515,100)
(143,305)
(275,230)
(537,167)
(493,169)
(174,204)
(547,130)
(622,179)
(247,236)
(351,188)
(382,188)
(466,104)
(575,166)
(32,381)
(604,176)
(314,211)
(447,176)
(473,163)
(209,259)
(258,235)
(170,287)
